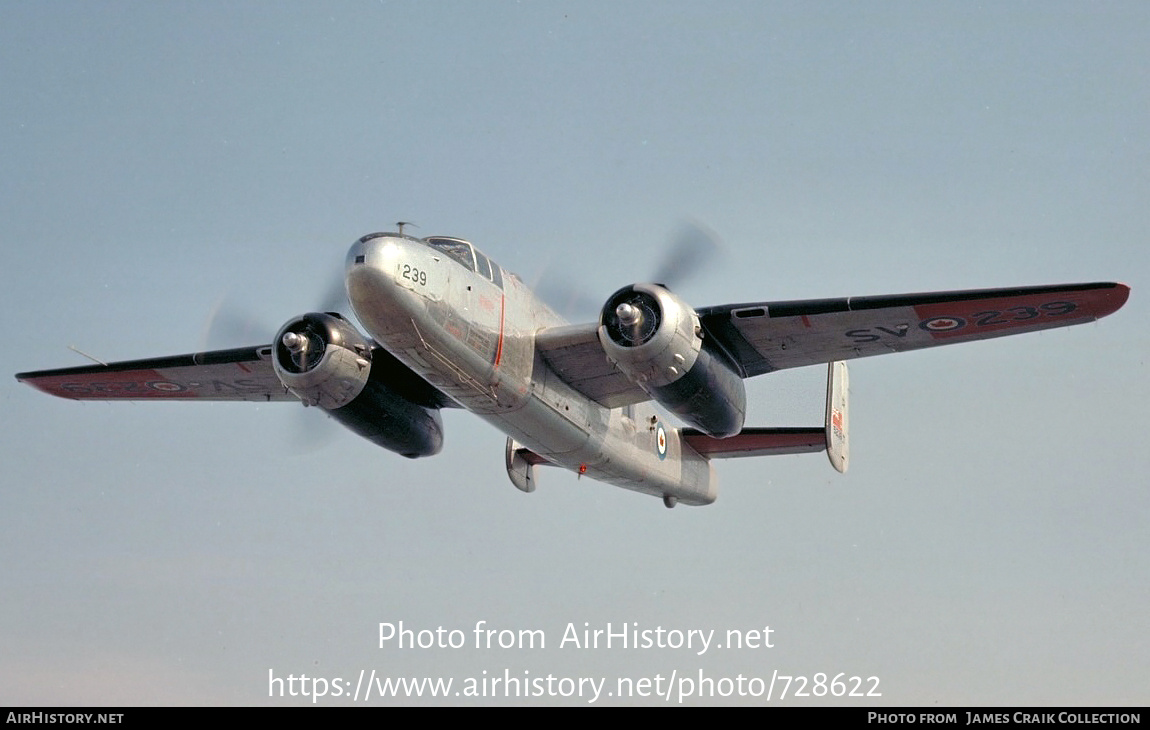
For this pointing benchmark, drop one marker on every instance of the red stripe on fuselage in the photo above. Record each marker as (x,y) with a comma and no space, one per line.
(499,345)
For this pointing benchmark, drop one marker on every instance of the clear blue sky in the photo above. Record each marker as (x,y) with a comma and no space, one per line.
(989,545)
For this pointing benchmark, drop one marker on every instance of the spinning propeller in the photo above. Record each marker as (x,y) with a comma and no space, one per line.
(688,253)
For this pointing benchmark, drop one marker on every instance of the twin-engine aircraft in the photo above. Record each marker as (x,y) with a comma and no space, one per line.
(447,328)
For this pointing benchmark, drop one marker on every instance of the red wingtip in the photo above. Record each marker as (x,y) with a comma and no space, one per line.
(1114,300)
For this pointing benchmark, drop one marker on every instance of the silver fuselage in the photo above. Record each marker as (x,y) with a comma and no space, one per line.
(473,338)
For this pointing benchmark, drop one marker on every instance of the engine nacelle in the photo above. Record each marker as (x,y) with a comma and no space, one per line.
(324,361)
(656,340)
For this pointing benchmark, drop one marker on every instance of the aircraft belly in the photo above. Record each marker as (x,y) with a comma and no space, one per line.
(615,450)
(652,458)
(539,427)
(637,462)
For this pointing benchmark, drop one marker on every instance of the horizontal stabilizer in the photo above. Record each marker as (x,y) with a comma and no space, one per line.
(757,442)
(831,437)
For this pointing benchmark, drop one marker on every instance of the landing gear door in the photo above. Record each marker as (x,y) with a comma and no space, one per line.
(521,471)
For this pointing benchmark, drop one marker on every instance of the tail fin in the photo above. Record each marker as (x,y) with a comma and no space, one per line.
(838,416)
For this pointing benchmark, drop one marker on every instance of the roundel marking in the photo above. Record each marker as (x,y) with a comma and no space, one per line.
(661,441)
(165,386)
(942,324)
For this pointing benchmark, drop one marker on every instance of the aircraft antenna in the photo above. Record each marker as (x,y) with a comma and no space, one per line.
(78,351)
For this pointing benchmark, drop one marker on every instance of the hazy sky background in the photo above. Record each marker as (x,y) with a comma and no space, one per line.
(990,544)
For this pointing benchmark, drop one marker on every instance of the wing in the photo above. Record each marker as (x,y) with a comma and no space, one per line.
(575,355)
(241,374)
(775,335)
(767,336)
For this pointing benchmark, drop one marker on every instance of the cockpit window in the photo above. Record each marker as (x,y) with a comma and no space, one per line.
(456,248)
(482,266)
(469,256)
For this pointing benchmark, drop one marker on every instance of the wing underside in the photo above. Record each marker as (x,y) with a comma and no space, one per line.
(768,336)
(763,337)
(243,374)
(575,355)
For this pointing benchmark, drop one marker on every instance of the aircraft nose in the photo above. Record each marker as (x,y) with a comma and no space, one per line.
(377,296)
(375,253)
(369,265)
(359,252)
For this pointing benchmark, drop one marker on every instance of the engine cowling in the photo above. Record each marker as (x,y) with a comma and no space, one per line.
(322,359)
(325,361)
(657,341)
